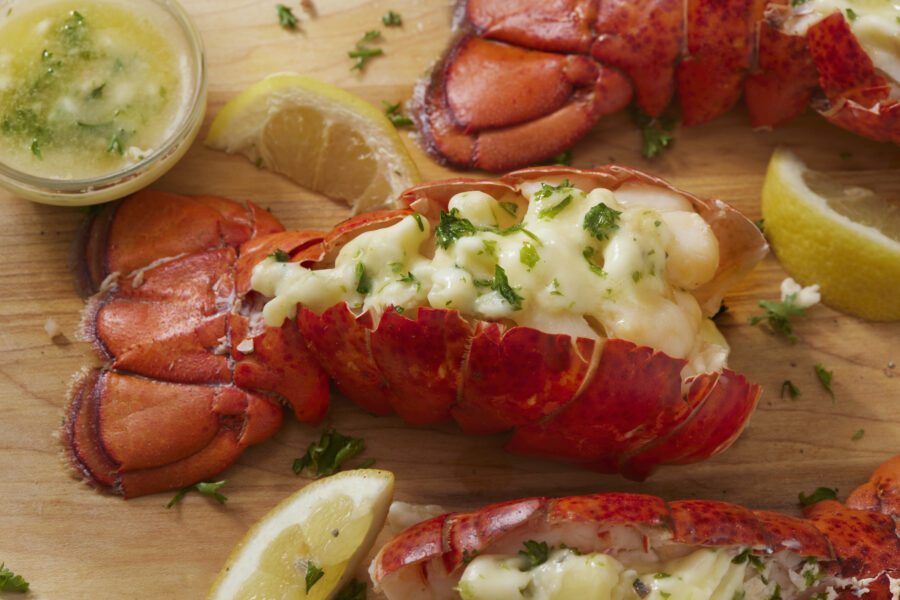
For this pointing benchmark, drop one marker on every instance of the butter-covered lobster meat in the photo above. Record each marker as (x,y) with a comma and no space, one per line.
(525,79)
(616,546)
(569,307)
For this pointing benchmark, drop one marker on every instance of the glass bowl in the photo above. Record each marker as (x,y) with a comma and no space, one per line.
(188,47)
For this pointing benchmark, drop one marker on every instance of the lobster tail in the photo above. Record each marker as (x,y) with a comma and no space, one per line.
(520,72)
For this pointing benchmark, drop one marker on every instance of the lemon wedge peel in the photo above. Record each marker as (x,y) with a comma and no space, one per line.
(319,136)
(288,534)
(856,266)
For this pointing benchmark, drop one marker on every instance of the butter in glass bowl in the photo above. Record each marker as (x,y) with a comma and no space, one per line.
(98,98)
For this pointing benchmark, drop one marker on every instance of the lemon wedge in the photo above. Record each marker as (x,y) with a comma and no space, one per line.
(327,526)
(846,239)
(322,137)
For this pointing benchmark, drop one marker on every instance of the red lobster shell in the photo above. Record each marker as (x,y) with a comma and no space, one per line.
(526,79)
(849,551)
(193,376)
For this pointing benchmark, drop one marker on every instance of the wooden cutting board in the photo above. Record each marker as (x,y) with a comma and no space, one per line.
(72,542)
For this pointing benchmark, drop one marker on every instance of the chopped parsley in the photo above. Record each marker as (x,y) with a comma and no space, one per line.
(419,222)
(280,255)
(326,456)
(858,435)
(467,556)
(776,595)
(555,291)
(563,158)
(392,112)
(792,390)
(313,574)
(286,17)
(746,555)
(588,254)
(601,221)
(490,247)
(363,281)
(363,53)
(812,574)
(355,590)
(117,141)
(10,582)
(392,19)
(535,553)
(548,190)
(778,314)
(207,488)
(500,284)
(760,224)
(851,14)
(411,280)
(510,207)
(654,131)
(661,575)
(451,228)
(820,494)
(552,211)
(824,378)
(528,256)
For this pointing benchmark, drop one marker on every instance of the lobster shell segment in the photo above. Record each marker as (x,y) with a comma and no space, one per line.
(189,380)
(609,405)
(836,550)
(545,72)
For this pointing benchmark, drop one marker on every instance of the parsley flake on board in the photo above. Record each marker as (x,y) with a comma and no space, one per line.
(286,16)
(313,575)
(858,435)
(207,488)
(10,582)
(392,19)
(363,54)
(535,553)
(655,131)
(392,112)
(326,456)
(601,221)
(792,390)
(778,314)
(355,590)
(824,378)
(822,493)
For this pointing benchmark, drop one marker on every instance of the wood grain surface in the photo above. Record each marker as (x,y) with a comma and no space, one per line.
(71,542)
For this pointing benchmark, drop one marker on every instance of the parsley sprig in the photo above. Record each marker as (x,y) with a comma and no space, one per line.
(778,314)
(824,378)
(500,284)
(326,456)
(392,112)
(207,488)
(535,553)
(655,131)
(286,16)
(10,582)
(600,221)
(822,493)
(452,227)
(364,53)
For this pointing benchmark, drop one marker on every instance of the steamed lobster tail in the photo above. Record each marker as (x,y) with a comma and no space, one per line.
(629,546)
(526,79)
(178,400)
(570,308)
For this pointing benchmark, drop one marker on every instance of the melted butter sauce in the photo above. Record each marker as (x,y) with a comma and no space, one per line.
(87,87)
(544,269)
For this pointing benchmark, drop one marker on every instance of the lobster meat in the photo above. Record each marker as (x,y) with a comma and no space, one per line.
(525,79)
(627,546)
(195,373)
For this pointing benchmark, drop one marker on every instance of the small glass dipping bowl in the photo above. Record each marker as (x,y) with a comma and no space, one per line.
(155,163)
